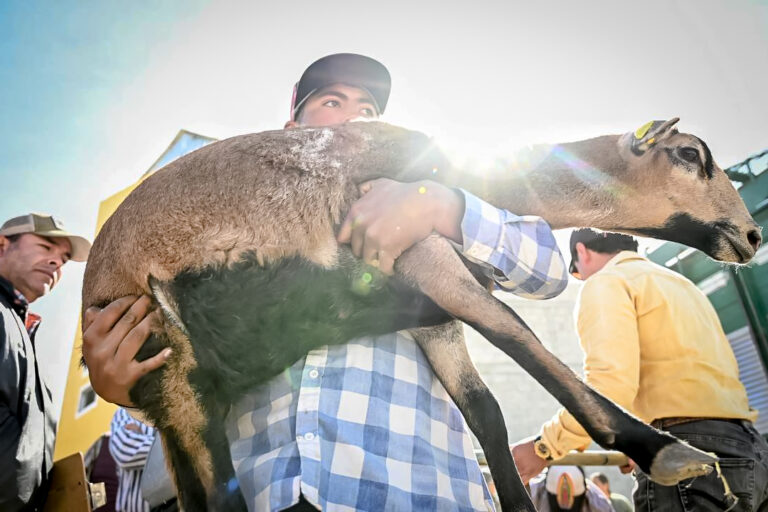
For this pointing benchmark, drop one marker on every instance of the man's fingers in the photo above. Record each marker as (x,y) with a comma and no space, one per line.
(132,342)
(628,468)
(135,314)
(386,263)
(346,230)
(90,315)
(154,362)
(357,239)
(370,251)
(114,311)
(367,186)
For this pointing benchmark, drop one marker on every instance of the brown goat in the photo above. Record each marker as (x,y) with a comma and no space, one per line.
(246,226)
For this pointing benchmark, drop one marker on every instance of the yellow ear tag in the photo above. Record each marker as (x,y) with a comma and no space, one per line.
(640,132)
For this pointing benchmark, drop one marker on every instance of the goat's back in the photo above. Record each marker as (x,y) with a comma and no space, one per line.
(277,194)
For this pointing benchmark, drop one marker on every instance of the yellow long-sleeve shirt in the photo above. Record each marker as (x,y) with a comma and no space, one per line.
(654,345)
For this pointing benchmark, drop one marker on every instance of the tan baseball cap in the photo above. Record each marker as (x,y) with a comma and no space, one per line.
(46,225)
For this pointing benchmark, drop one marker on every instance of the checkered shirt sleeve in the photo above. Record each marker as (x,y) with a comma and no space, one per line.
(520,253)
(359,426)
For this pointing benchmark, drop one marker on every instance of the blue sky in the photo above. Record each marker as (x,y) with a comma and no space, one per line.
(93,92)
(61,65)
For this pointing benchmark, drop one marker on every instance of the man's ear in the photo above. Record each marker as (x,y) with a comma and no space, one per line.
(290,124)
(4,243)
(583,253)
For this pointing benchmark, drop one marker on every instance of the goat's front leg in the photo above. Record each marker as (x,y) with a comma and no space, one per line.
(433,267)
(447,353)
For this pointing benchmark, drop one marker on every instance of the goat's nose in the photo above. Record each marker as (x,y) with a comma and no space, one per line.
(755,239)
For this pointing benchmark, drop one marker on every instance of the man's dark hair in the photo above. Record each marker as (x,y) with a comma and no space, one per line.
(599,241)
(13,238)
(600,477)
(612,243)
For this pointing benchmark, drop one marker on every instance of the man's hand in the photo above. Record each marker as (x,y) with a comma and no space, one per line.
(111,339)
(391,216)
(528,463)
(628,468)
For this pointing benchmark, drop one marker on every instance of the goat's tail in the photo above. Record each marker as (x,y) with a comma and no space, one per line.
(164,296)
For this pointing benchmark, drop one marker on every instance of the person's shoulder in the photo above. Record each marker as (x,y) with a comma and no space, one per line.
(11,338)
(603,284)
(621,503)
(598,502)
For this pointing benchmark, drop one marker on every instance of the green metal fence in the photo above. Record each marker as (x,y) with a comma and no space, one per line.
(739,294)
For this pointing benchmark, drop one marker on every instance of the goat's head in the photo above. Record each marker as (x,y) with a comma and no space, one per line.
(684,195)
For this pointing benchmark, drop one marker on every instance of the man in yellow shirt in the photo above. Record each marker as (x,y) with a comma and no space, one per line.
(654,345)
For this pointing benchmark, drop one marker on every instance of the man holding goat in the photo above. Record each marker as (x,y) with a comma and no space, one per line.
(363,424)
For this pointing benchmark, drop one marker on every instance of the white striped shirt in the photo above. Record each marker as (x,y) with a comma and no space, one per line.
(129,447)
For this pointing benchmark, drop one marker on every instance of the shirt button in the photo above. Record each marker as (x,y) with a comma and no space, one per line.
(313,374)
(309,436)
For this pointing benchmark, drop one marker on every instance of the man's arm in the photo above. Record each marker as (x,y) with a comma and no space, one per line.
(520,253)
(607,326)
(10,434)
(111,339)
(10,430)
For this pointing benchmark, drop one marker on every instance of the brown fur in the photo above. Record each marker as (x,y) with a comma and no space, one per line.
(212,205)
(282,194)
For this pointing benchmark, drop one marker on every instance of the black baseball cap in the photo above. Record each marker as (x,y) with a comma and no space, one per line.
(347,68)
(610,242)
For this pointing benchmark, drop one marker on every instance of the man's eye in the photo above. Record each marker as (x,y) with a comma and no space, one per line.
(367,112)
(332,103)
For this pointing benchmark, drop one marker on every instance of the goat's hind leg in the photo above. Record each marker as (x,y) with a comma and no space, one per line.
(191,425)
(433,267)
(447,353)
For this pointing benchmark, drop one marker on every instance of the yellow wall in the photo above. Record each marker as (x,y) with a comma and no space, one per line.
(76,434)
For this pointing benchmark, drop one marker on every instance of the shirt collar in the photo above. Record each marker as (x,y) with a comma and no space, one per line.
(14,297)
(622,257)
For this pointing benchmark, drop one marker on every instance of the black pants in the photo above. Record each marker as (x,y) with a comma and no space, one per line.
(743,460)
(169,506)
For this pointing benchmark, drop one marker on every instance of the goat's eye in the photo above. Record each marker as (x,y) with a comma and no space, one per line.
(689,155)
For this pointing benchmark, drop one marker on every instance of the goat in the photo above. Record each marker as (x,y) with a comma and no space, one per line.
(244,229)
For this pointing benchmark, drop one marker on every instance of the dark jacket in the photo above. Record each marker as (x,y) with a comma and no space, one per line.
(27,425)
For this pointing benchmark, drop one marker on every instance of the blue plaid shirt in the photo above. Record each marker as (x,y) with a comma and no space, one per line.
(366,425)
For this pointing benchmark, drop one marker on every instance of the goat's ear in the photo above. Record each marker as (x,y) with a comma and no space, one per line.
(651,133)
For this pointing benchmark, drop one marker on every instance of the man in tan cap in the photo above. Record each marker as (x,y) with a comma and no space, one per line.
(33,248)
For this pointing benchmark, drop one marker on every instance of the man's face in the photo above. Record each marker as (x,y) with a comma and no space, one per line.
(33,263)
(336,104)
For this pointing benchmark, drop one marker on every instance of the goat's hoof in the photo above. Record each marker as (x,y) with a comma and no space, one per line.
(678,461)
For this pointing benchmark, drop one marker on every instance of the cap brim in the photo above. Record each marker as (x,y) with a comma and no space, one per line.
(352,69)
(80,246)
